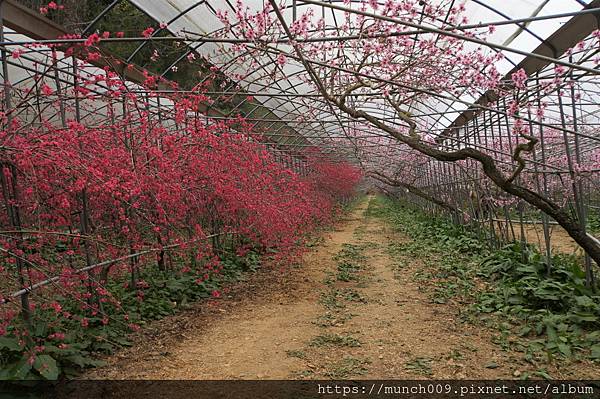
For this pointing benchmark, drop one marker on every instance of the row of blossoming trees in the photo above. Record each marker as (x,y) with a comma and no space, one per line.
(101,187)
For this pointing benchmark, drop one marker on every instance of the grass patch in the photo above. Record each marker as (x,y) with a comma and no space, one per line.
(350,260)
(455,354)
(351,252)
(333,319)
(351,295)
(303,374)
(419,365)
(347,367)
(335,301)
(332,300)
(346,273)
(335,340)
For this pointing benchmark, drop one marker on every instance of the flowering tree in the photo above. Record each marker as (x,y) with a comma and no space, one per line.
(397,64)
(111,182)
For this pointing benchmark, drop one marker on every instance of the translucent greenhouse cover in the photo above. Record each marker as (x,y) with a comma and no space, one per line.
(20,72)
(192,16)
(201,19)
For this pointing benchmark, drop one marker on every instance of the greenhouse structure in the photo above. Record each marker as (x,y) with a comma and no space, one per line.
(299,190)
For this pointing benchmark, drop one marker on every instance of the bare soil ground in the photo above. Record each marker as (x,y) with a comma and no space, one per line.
(560,241)
(305,323)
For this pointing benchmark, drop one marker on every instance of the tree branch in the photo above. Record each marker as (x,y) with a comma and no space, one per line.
(413,190)
(571,226)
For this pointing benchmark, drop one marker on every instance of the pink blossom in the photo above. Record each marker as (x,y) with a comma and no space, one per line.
(148,32)
(519,78)
(281,59)
(46,90)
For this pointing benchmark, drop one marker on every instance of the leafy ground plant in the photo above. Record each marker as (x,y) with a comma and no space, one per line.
(347,367)
(419,365)
(335,340)
(549,309)
(158,294)
(350,261)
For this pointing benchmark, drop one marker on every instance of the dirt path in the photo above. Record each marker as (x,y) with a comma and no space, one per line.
(248,335)
(349,311)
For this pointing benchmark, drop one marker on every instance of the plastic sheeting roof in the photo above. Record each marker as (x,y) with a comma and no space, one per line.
(288,99)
